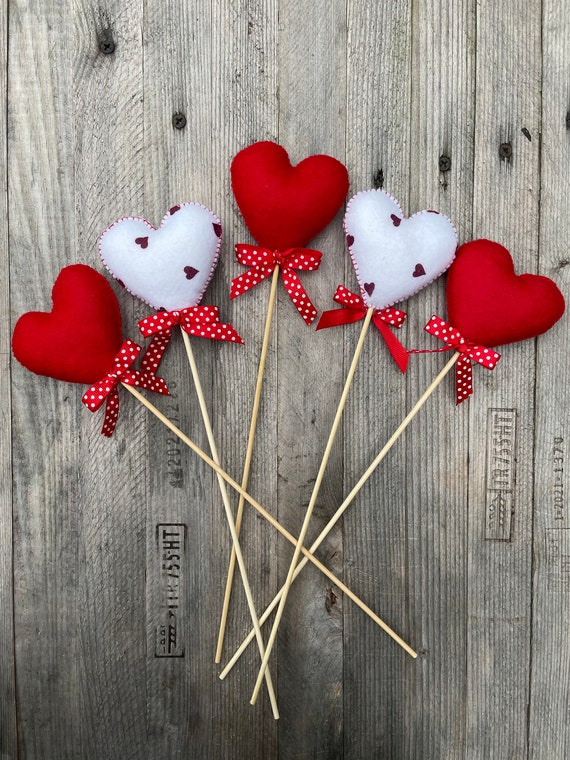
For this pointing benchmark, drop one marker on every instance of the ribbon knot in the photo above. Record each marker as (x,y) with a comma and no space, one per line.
(200,321)
(468,350)
(355,310)
(121,372)
(262,261)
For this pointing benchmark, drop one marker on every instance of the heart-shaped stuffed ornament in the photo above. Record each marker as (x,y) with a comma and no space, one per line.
(78,340)
(170,267)
(395,257)
(286,206)
(489,304)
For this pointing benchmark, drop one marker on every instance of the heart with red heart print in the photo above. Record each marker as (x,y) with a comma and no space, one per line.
(489,304)
(79,338)
(395,257)
(170,267)
(286,206)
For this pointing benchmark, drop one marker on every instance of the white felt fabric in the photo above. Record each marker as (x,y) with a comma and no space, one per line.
(395,257)
(169,267)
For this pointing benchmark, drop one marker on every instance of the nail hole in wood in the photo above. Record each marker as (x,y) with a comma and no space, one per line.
(106,42)
(179,121)
(505,151)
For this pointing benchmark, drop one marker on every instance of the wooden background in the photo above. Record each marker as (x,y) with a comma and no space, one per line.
(86,135)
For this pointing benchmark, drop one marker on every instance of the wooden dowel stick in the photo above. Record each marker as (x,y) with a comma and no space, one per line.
(229,517)
(348,500)
(248,456)
(311,505)
(268,516)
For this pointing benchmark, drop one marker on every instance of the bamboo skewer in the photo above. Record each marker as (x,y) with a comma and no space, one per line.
(248,457)
(348,500)
(312,502)
(236,551)
(268,516)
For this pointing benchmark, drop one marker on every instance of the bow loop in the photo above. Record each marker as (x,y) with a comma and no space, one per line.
(468,351)
(355,310)
(262,261)
(200,321)
(121,372)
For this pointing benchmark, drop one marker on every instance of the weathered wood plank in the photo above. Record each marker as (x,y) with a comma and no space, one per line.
(499,546)
(312,110)
(178,168)
(244,110)
(437,443)
(378,155)
(46,458)
(8,738)
(112,477)
(388,88)
(549,729)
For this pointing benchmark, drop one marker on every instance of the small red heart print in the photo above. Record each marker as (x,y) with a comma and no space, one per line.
(419,271)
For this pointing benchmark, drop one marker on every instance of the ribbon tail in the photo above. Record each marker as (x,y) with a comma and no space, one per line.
(248,280)
(147,380)
(155,351)
(111,414)
(228,332)
(336,317)
(298,295)
(463,379)
(396,349)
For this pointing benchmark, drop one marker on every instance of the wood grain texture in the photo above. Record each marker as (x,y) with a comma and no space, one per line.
(437,444)
(46,493)
(90,528)
(108,148)
(312,108)
(177,168)
(499,571)
(550,662)
(244,75)
(378,155)
(8,737)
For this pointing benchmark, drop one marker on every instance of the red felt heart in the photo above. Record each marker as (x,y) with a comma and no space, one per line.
(79,338)
(490,305)
(285,206)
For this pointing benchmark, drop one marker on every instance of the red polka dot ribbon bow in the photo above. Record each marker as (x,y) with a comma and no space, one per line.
(106,388)
(200,321)
(262,262)
(355,310)
(469,351)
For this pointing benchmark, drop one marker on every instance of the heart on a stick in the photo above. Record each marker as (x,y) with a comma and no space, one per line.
(78,340)
(489,304)
(170,267)
(395,257)
(286,206)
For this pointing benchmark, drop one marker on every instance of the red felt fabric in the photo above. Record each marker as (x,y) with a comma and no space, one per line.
(79,338)
(286,206)
(490,305)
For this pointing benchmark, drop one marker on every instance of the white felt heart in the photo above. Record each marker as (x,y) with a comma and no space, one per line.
(169,267)
(395,257)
